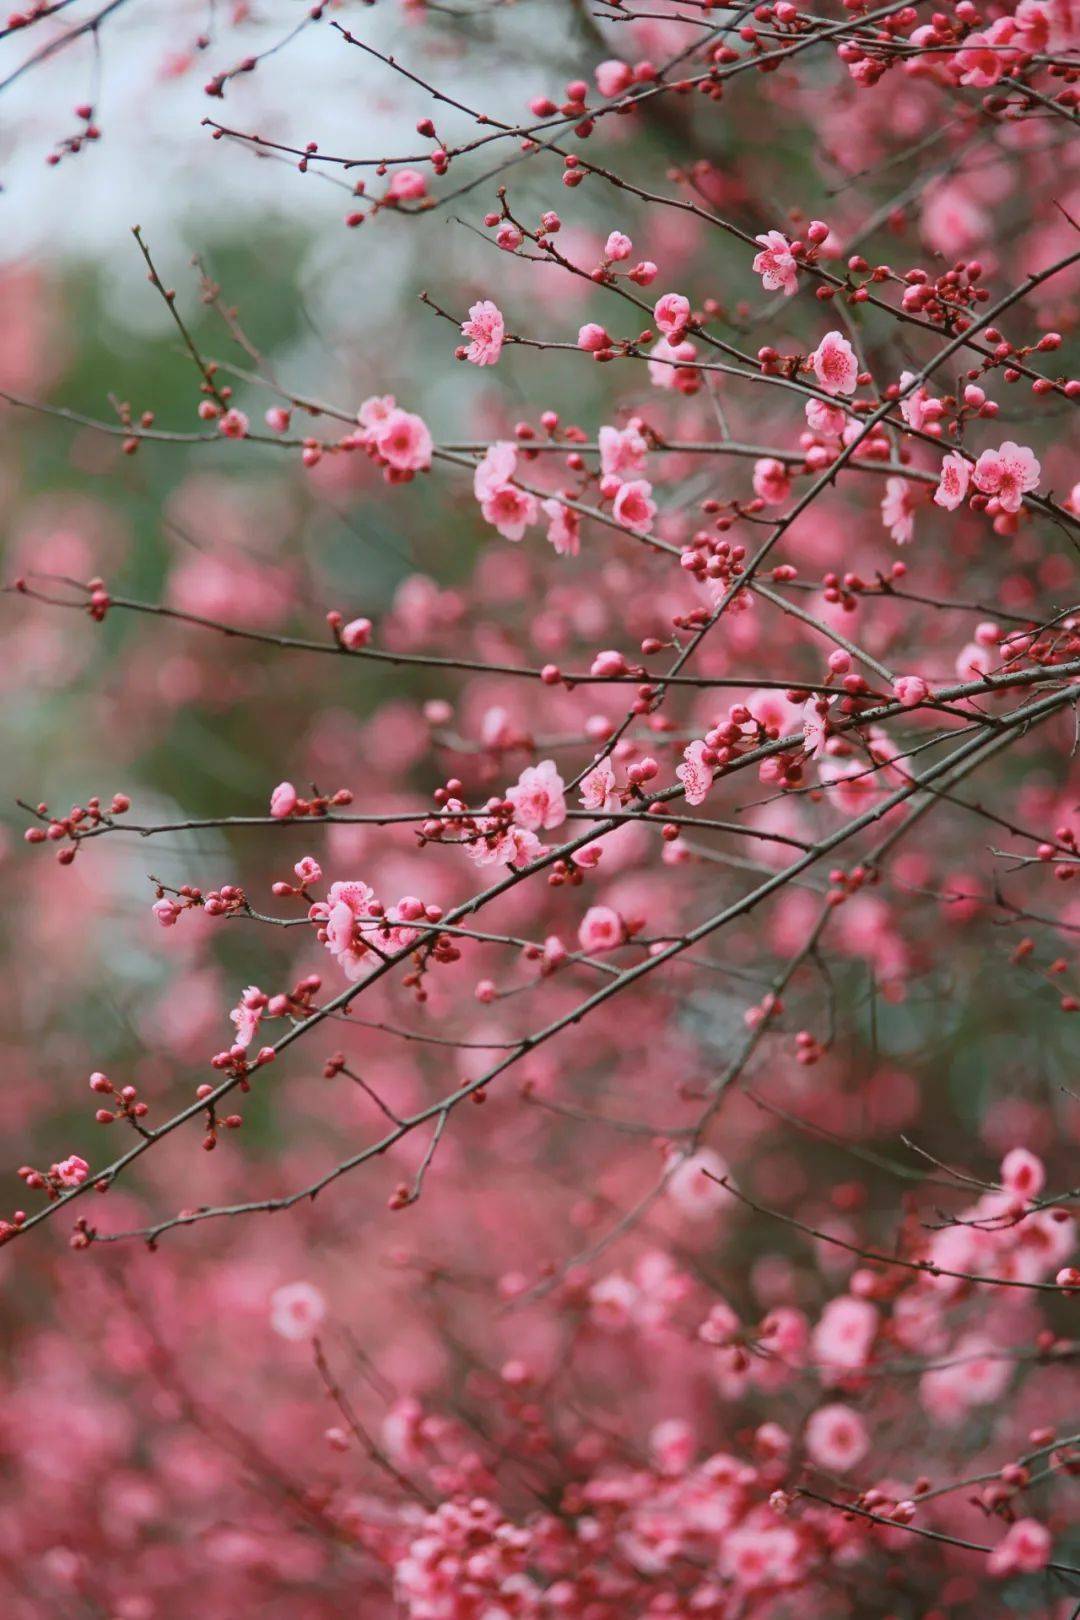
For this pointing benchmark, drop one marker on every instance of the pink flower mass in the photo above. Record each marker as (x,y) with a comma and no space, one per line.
(541,944)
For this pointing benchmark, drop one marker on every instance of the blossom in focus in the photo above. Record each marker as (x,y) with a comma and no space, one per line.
(1007,473)
(775,264)
(835,365)
(486,328)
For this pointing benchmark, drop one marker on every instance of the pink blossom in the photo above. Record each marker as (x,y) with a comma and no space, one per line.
(898,510)
(622,450)
(835,365)
(497,468)
(403,441)
(564,528)
(910,690)
(297,1311)
(166,911)
(592,338)
(983,59)
(663,375)
(339,915)
(601,929)
(509,509)
(917,405)
(762,1552)
(1023,1550)
(953,485)
(693,1183)
(247,1015)
(356,634)
(1007,473)
(828,420)
(771,481)
(845,1333)
(307,870)
(672,313)
(486,328)
(1023,1173)
(775,264)
(634,507)
(613,78)
(514,846)
(283,801)
(406,185)
(71,1172)
(836,1438)
(617,247)
(694,774)
(537,797)
(598,791)
(233,424)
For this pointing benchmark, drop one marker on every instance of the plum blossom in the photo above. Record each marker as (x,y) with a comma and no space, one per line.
(771,481)
(613,77)
(775,264)
(898,510)
(509,509)
(694,774)
(844,1335)
(634,507)
(601,929)
(234,424)
(1007,473)
(406,185)
(910,690)
(1023,1550)
(693,1183)
(662,374)
(486,328)
(247,1015)
(671,313)
(70,1172)
(622,450)
(356,634)
(617,247)
(953,483)
(283,801)
(598,790)
(537,797)
(835,365)
(592,338)
(984,57)
(828,420)
(1023,1173)
(297,1311)
(399,440)
(564,528)
(512,846)
(836,1438)
(917,405)
(339,917)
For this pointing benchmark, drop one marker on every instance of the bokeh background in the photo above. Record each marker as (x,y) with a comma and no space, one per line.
(147,1406)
